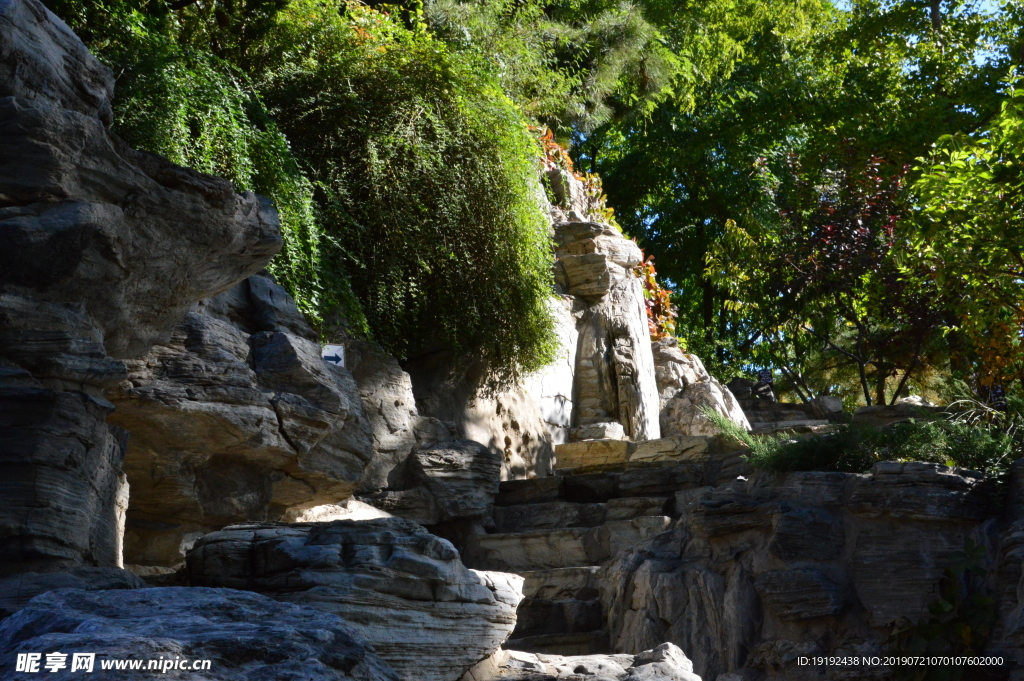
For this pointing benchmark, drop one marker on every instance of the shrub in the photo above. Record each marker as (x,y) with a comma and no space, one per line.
(426,179)
(855,448)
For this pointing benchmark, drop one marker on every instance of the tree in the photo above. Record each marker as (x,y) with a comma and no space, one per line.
(971,231)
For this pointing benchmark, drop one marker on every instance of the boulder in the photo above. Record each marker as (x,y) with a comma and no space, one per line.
(386,391)
(103,249)
(241,635)
(826,406)
(399,587)
(666,662)
(451,391)
(455,480)
(17,590)
(85,219)
(685,387)
(235,417)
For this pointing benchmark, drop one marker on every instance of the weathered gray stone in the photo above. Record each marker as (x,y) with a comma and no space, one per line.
(923,491)
(799,594)
(62,476)
(17,590)
(808,534)
(758,572)
(75,202)
(684,388)
(533,490)
(233,420)
(243,635)
(666,662)
(826,406)
(461,475)
(400,588)
(615,368)
(547,516)
(102,250)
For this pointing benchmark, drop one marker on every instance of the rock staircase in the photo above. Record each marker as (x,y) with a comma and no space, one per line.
(768,417)
(556,532)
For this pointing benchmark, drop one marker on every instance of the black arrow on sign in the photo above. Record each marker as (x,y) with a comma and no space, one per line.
(333,358)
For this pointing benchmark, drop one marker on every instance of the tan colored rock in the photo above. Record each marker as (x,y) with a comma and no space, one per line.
(685,387)
(232,420)
(592,453)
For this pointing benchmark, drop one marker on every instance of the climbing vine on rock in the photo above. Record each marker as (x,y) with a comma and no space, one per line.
(661,313)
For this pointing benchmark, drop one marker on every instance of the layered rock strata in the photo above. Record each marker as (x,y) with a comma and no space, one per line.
(240,635)
(402,589)
(556,532)
(758,572)
(102,250)
(235,417)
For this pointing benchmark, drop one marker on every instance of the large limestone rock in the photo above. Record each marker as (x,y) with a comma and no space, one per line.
(510,423)
(242,635)
(614,379)
(17,590)
(664,663)
(235,417)
(757,572)
(685,388)
(134,237)
(102,250)
(399,587)
(386,391)
(448,481)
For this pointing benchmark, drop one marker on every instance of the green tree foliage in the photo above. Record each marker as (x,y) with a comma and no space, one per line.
(425,175)
(404,176)
(971,192)
(883,78)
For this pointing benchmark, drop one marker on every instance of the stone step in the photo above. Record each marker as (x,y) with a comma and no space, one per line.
(560,548)
(583,643)
(590,454)
(796,429)
(558,514)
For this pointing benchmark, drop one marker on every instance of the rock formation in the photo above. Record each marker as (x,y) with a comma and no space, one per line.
(448,481)
(760,571)
(402,589)
(242,635)
(685,388)
(664,663)
(102,250)
(235,417)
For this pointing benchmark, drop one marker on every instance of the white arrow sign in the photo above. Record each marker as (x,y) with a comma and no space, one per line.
(334,354)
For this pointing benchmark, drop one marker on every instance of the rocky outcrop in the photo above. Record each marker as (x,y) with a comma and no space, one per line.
(241,635)
(664,663)
(614,380)
(102,250)
(510,423)
(685,388)
(17,590)
(235,417)
(402,589)
(760,571)
(455,480)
